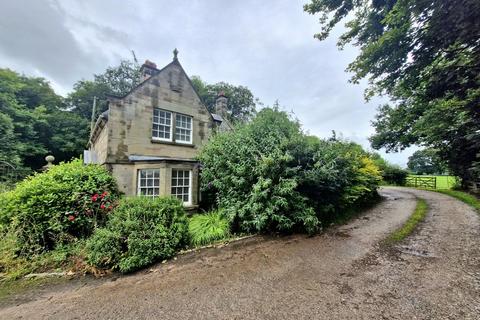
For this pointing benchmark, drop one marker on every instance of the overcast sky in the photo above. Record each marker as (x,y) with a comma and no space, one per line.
(267,46)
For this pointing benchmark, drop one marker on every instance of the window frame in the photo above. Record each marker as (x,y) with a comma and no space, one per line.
(190,179)
(157,123)
(183,128)
(139,187)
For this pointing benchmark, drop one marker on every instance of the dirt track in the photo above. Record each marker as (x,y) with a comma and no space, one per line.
(342,274)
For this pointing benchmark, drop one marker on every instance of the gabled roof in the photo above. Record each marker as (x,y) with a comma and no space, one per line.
(157,71)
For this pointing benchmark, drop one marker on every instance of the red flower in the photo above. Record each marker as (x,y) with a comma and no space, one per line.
(102,206)
(104,194)
(94,197)
(71,218)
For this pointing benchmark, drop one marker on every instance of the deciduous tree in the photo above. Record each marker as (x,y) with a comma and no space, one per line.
(241,101)
(424,54)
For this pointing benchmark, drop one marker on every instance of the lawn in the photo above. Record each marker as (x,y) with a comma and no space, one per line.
(443,182)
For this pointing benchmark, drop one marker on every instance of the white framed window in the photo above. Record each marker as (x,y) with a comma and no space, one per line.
(182,185)
(162,125)
(148,182)
(183,129)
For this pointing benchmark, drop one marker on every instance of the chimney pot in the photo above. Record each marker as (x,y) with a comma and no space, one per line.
(148,69)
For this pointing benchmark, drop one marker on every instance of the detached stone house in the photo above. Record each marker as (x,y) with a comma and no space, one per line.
(149,138)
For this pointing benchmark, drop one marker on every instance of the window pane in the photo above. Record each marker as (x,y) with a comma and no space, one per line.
(149,182)
(162,124)
(183,128)
(181,184)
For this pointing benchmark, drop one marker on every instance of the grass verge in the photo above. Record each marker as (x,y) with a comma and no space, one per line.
(417,216)
(469,199)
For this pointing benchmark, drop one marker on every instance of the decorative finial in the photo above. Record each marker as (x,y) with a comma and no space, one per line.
(49,164)
(175,53)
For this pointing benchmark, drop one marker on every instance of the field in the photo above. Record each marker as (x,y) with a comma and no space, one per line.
(443,182)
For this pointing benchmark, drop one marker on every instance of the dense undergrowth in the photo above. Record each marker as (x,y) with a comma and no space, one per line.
(269,176)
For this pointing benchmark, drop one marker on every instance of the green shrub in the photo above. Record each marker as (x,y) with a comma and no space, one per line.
(342,175)
(270,177)
(57,206)
(391,174)
(208,227)
(254,172)
(139,232)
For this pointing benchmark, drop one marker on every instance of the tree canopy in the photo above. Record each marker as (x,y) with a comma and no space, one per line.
(33,122)
(424,55)
(426,161)
(118,80)
(241,101)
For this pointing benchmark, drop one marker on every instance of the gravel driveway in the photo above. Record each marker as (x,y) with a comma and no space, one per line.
(341,274)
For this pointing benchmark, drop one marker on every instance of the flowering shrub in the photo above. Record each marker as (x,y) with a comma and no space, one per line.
(139,232)
(90,211)
(58,206)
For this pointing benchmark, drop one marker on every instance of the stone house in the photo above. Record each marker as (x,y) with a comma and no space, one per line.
(149,138)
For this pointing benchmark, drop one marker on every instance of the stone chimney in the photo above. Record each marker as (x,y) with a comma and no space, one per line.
(148,69)
(221,105)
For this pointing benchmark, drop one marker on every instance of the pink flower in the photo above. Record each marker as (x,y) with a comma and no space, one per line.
(94,197)
(71,218)
(102,206)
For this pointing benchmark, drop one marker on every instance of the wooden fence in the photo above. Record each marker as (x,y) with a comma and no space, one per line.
(421,182)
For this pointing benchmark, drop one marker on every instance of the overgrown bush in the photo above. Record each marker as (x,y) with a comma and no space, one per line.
(208,227)
(139,232)
(58,206)
(254,172)
(270,177)
(342,175)
(391,174)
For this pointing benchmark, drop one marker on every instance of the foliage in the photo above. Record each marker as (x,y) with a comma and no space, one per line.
(241,102)
(58,206)
(415,218)
(341,175)
(424,55)
(33,122)
(140,231)
(253,172)
(426,161)
(118,80)
(391,174)
(13,266)
(207,228)
(269,177)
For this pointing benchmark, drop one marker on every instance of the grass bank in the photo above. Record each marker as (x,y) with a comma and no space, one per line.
(469,199)
(417,216)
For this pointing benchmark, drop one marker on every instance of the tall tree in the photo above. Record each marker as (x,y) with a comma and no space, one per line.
(423,54)
(426,161)
(33,122)
(241,102)
(118,80)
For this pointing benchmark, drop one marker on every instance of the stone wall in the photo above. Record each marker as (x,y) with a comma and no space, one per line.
(130,118)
